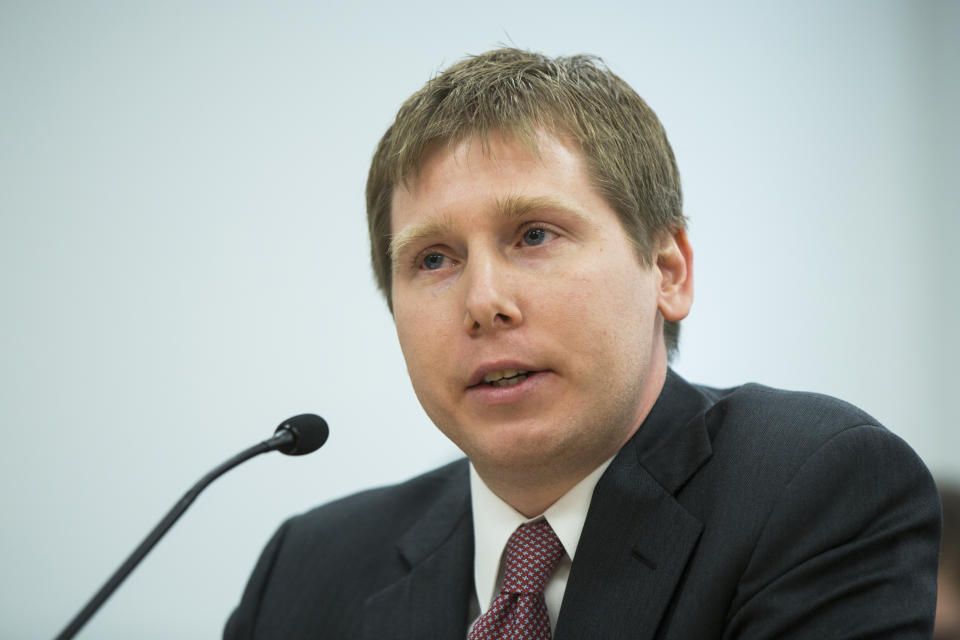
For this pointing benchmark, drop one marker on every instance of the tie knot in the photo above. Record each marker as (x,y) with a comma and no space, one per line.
(532,552)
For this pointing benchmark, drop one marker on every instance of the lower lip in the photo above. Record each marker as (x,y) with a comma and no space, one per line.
(488,394)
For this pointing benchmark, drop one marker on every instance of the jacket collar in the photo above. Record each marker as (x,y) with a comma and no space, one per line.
(637,537)
(673,442)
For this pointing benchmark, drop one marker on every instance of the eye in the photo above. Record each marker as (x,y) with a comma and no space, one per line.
(536,235)
(432,261)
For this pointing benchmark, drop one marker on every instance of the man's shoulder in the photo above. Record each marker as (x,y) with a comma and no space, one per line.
(783,405)
(757,440)
(316,574)
(793,494)
(818,488)
(764,441)
(392,508)
(780,419)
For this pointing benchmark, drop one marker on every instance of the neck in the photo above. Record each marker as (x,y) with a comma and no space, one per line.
(531,501)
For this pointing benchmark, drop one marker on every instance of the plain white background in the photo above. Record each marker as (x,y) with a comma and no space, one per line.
(184,261)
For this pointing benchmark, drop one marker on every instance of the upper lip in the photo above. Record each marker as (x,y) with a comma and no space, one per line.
(500,365)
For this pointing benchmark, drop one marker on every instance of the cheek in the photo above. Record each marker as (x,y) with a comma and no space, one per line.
(409,335)
(622,289)
(423,336)
(611,311)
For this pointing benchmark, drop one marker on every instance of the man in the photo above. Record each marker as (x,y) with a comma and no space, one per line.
(527,230)
(947,626)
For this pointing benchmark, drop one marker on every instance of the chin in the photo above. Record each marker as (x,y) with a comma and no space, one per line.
(524,450)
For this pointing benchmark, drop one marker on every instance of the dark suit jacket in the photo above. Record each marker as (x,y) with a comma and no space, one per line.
(742,513)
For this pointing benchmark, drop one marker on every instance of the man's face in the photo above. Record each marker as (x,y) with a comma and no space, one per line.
(530,328)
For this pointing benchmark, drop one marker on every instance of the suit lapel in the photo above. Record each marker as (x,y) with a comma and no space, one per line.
(432,599)
(637,538)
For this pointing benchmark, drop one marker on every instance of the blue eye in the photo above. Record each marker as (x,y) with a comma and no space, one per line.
(433,261)
(534,236)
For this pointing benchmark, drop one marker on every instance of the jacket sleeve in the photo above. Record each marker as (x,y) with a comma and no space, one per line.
(849,550)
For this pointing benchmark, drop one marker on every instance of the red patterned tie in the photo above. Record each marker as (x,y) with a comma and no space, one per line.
(519,611)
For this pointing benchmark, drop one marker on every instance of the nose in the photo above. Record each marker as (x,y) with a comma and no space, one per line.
(491,303)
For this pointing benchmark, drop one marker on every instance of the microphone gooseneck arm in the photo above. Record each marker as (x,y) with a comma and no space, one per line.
(286,438)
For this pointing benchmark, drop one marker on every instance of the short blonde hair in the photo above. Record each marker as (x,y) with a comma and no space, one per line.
(517,92)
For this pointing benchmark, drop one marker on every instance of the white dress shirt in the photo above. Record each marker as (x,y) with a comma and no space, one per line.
(494,521)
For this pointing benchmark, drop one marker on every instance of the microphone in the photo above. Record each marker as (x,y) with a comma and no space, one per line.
(301,434)
(296,436)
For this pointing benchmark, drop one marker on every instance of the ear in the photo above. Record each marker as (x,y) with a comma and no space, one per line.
(675,263)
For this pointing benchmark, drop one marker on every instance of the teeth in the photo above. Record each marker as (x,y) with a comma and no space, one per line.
(493,376)
(505,378)
(509,382)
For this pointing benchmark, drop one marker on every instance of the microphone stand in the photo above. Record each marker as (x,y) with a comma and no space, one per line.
(283,438)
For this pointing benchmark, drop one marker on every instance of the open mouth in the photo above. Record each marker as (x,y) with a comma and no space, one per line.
(505,378)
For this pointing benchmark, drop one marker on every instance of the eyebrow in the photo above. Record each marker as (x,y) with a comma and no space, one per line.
(509,208)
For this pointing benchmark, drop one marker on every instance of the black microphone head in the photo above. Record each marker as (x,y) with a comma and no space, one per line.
(309,432)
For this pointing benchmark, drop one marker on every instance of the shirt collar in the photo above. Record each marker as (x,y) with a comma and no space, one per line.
(494,521)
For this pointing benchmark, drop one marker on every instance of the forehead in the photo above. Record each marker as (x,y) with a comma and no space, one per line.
(489,172)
